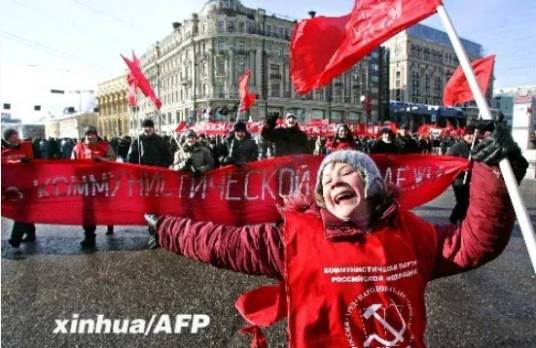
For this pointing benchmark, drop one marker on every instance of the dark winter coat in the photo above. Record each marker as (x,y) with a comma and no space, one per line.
(287,141)
(197,159)
(460,149)
(239,152)
(382,147)
(154,151)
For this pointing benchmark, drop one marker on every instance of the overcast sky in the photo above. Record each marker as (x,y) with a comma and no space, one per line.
(73,44)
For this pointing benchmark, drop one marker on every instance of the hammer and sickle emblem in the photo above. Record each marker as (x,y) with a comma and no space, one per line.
(372,311)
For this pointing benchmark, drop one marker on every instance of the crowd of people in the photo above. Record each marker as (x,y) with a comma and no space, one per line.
(197,153)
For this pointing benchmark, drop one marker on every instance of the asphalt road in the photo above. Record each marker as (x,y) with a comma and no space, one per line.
(494,306)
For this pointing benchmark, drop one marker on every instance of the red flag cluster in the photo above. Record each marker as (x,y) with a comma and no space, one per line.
(136,79)
(457,90)
(246,99)
(322,48)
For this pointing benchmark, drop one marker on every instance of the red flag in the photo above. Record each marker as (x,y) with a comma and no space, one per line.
(325,47)
(457,90)
(141,81)
(132,101)
(246,99)
(181,127)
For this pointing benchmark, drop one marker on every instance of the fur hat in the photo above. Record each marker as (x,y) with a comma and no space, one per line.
(8,133)
(91,130)
(240,126)
(147,123)
(189,133)
(374,184)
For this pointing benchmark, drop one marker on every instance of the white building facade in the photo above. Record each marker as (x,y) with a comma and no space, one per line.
(195,71)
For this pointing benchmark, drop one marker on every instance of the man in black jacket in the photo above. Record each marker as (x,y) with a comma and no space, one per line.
(461,188)
(289,140)
(154,149)
(239,147)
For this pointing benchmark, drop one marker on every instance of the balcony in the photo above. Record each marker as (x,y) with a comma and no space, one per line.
(241,51)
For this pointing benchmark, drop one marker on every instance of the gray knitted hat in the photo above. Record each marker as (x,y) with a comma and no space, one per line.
(363,163)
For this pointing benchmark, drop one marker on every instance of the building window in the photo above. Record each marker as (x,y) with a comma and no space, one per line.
(426,53)
(437,86)
(220,67)
(221,26)
(281,32)
(230,27)
(415,83)
(427,87)
(276,90)
(220,46)
(268,29)
(241,27)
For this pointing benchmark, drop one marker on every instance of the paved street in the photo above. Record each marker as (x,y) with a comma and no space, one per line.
(494,306)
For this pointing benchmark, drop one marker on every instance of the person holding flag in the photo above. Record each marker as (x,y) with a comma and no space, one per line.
(288,140)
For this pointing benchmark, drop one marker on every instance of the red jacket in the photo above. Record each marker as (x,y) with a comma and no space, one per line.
(85,151)
(24,150)
(335,145)
(450,249)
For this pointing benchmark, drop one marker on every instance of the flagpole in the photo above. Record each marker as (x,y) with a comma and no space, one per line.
(523,219)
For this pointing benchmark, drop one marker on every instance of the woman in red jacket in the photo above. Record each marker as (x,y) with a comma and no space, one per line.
(355,266)
(15,150)
(342,140)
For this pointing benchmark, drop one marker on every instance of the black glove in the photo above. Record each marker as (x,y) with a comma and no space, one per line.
(499,146)
(25,160)
(196,172)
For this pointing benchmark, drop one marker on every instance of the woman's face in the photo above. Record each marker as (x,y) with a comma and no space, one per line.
(343,190)
(342,133)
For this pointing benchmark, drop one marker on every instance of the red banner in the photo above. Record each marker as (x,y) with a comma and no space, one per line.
(110,193)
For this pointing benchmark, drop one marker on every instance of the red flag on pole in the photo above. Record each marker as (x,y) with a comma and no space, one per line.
(324,47)
(457,90)
(181,127)
(141,81)
(132,101)
(246,99)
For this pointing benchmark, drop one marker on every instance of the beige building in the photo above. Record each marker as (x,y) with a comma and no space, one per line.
(113,107)
(70,125)
(421,62)
(195,71)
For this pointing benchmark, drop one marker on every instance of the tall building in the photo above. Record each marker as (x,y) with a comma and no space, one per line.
(113,107)
(422,60)
(195,71)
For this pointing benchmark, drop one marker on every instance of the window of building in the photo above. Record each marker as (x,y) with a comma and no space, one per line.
(221,26)
(177,117)
(230,27)
(268,29)
(427,87)
(220,67)
(415,83)
(438,85)
(220,45)
(241,27)
(276,90)
(281,32)
(426,53)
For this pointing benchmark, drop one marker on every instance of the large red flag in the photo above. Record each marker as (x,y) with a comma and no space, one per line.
(246,99)
(141,81)
(325,47)
(457,90)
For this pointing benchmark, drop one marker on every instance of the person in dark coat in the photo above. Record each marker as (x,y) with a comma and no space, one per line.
(289,140)
(154,149)
(192,155)
(461,188)
(124,146)
(240,148)
(405,141)
(386,143)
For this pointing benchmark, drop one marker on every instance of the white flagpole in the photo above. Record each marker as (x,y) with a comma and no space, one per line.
(523,219)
